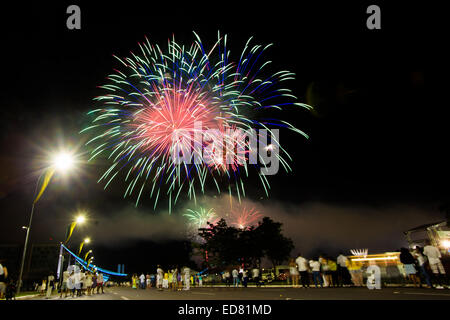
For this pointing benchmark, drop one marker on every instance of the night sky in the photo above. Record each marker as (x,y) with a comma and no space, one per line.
(376,163)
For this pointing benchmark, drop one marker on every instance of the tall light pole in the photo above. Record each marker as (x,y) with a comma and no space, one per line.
(62,162)
(80,219)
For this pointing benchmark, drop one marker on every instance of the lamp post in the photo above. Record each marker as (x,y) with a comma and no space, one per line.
(62,162)
(80,219)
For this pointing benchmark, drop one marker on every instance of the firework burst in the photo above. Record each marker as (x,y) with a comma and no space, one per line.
(152,106)
(244,218)
(200,218)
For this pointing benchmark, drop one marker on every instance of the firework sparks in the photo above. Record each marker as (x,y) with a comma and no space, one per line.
(153,104)
(244,218)
(200,218)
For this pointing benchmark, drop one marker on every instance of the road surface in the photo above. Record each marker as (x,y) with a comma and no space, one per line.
(267,293)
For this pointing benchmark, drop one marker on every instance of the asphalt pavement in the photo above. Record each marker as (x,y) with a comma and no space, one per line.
(264,293)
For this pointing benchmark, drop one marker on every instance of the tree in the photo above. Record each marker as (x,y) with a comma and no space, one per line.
(276,247)
(221,243)
(249,246)
(227,245)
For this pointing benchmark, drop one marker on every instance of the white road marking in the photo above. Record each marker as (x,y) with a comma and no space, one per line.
(124,298)
(210,294)
(428,294)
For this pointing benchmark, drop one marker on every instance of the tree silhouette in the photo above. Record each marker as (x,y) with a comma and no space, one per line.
(228,245)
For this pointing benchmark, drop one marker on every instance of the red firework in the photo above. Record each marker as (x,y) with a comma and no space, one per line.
(244,218)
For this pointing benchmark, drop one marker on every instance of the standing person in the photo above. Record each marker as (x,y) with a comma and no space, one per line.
(333,271)
(10,292)
(355,269)
(134,280)
(227,277)
(342,271)
(434,259)
(65,278)
(165,280)
(142,281)
(159,277)
(100,282)
(235,275)
(148,283)
(83,282)
(174,279)
(170,279)
(71,283)
(180,280)
(43,286)
(50,282)
(328,282)
(77,281)
(255,276)
(245,278)
(421,260)
(200,281)
(88,282)
(94,282)
(315,268)
(153,280)
(293,272)
(408,263)
(187,276)
(3,278)
(302,264)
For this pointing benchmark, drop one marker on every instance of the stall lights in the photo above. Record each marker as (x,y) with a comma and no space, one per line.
(375,258)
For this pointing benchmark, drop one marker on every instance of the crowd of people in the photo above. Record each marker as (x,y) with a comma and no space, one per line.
(173,279)
(420,267)
(75,283)
(78,283)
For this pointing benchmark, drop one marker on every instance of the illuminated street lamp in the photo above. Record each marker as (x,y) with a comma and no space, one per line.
(62,163)
(89,261)
(80,219)
(87,253)
(86,240)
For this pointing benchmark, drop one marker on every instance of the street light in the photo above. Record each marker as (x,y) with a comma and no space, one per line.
(87,253)
(61,163)
(80,219)
(86,240)
(89,261)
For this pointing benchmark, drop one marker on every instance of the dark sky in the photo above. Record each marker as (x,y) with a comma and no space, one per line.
(378,140)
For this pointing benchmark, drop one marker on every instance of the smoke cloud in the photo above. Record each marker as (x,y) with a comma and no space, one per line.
(314,227)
